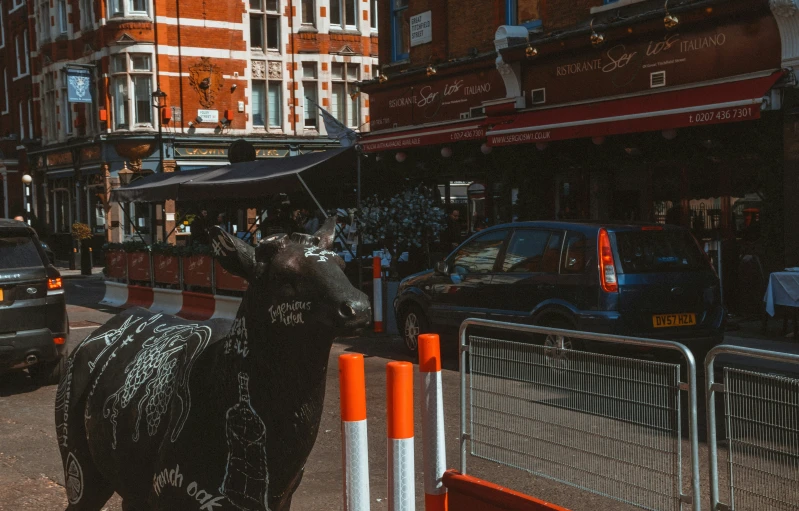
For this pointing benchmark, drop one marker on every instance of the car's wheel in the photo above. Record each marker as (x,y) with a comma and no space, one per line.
(414,322)
(48,373)
(559,348)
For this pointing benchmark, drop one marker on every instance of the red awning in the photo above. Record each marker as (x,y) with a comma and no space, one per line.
(423,136)
(711,104)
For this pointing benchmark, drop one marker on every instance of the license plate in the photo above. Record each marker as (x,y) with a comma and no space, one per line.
(669,320)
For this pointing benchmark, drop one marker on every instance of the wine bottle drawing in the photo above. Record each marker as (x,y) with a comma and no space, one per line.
(246,481)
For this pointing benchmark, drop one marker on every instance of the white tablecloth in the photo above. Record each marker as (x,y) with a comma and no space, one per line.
(783,289)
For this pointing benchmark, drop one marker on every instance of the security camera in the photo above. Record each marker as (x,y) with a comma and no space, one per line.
(191,124)
(198,120)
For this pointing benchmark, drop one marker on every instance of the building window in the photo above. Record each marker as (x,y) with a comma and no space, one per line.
(137,213)
(2,29)
(16,4)
(264,25)
(373,14)
(308,14)
(400,30)
(266,101)
(342,106)
(44,22)
(344,13)
(30,119)
(309,81)
(606,2)
(49,106)
(86,13)
(130,7)
(62,212)
(5,91)
(522,12)
(63,25)
(18,49)
(21,121)
(66,108)
(132,90)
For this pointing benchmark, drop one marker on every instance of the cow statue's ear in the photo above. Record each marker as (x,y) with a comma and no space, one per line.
(327,233)
(234,255)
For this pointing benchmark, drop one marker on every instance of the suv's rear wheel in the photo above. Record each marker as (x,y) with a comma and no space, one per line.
(559,348)
(48,373)
(414,322)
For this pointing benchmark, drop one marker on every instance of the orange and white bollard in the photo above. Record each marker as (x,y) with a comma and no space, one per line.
(399,418)
(377,282)
(354,445)
(433,442)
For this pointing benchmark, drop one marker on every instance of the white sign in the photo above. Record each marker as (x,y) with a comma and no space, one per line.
(208,115)
(421,29)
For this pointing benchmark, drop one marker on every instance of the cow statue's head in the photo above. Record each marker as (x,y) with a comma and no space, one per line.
(297,284)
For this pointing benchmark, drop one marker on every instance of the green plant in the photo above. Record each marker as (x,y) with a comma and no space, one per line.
(81,231)
(164,248)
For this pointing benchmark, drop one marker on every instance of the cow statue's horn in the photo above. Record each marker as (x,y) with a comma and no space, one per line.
(327,233)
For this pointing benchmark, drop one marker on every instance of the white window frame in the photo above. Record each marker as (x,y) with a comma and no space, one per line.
(123,9)
(373,13)
(307,82)
(86,13)
(19,60)
(264,15)
(127,74)
(21,121)
(312,21)
(30,118)
(63,18)
(349,88)
(2,29)
(342,11)
(5,86)
(16,4)
(267,124)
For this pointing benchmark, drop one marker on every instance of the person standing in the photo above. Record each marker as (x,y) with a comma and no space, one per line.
(199,229)
(451,235)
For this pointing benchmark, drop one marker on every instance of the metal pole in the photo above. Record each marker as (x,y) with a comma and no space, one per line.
(463,351)
(358,205)
(337,230)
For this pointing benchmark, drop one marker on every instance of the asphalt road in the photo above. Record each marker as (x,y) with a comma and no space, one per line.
(31,477)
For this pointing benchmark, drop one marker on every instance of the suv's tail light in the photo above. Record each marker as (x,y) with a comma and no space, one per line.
(59,340)
(607,267)
(53,284)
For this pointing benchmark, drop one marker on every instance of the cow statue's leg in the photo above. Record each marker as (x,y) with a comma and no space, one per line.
(87,490)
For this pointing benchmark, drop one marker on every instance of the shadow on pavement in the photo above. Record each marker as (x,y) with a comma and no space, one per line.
(15,383)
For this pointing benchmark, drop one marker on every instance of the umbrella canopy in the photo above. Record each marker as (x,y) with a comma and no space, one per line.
(246,180)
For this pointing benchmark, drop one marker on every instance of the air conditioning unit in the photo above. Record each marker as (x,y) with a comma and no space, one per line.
(657,79)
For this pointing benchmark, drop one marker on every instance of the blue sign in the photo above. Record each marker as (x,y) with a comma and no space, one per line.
(79,85)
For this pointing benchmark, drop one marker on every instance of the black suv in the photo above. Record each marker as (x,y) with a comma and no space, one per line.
(33,313)
(645,280)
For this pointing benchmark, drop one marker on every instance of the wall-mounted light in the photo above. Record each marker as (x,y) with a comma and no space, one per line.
(401,156)
(596,39)
(670,21)
(27,179)
(541,146)
(669,134)
(530,52)
(598,140)
(430,70)
(486,149)
(446,152)
(382,78)
(234,87)
(198,120)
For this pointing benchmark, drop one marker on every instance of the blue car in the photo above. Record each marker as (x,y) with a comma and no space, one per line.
(641,280)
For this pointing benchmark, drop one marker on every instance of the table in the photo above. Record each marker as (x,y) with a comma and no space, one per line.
(783,289)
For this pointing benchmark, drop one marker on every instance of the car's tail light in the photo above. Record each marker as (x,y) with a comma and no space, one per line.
(53,284)
(59,340)
(607,267)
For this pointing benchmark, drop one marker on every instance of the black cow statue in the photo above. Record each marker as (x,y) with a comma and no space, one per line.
(204,415)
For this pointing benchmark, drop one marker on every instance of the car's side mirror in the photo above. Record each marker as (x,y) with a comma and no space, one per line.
(442,268)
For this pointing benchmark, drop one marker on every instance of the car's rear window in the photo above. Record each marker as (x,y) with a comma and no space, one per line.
(18,252)
(659,251)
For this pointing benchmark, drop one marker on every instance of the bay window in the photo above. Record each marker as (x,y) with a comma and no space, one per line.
(400,30)
(344,13)
(132,87)
(344,107)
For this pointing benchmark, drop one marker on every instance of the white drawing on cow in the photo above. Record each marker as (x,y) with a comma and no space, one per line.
(62,404)
(155,368)
(319,253)
(246,481)
(74,479)
(289,313)
(237,339)
(222,246)
(112,336)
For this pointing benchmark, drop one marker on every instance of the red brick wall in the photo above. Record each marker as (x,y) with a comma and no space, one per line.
(563,13)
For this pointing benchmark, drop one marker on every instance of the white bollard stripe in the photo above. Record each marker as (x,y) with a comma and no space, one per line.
(401,484)
(167,301)
(116,294)
(378,305)
(433,441)
(355,451)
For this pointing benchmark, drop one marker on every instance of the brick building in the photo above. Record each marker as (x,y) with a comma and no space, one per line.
(17,125)
(607,110)
(224,70)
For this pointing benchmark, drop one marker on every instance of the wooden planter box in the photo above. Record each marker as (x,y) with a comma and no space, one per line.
(167,269)
(139,266)
(228,281)
(197,270)
(116,264)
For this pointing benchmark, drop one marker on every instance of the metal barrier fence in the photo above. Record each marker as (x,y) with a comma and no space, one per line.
(761,413)
(606,424)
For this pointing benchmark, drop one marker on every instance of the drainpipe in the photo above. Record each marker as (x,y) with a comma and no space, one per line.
(293,71)
(180,67)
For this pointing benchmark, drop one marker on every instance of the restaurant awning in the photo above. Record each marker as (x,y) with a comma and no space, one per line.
(419,136)
(732,101)
(247,181)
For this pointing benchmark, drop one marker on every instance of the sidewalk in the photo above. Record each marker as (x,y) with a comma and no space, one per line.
(66,273)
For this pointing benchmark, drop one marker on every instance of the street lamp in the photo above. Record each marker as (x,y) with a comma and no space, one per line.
(27,179)
(125,175)
(159,102)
